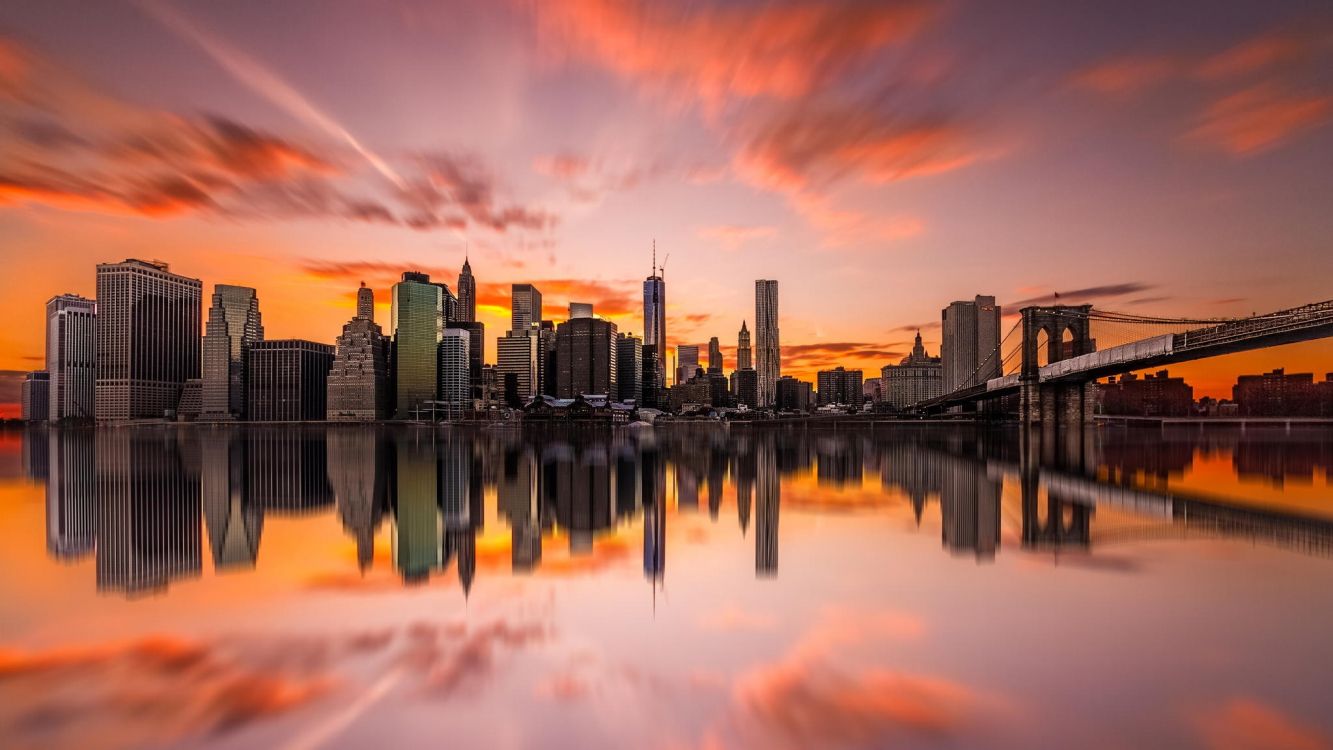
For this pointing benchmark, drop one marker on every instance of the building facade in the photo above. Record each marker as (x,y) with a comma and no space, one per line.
(35,396)
(714,356)
(629,367)
(476,351)
(840,386)
(743,361)
(768,354)
(148,339)
(516,358)
(745,387)
(586,358)
(1153,395)
(234,325)
(969,351)
(418,325)
(71,356)
(525,307)
(793,394)
(455,389)
(467,295)
(359,386)
(918,377)
(288,380)
(687,361)
(1280,394)
(654,328)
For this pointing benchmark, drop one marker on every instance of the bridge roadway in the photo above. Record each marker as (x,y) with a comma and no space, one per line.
(1305,323)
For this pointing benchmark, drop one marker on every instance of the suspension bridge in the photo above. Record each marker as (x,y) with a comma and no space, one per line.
(1053,355)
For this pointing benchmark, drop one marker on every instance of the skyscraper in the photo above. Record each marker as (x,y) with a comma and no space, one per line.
(455,371)
(525,307)
(654,325)
(687,361)
(714,356)
(288,380)
(586,358)
(743,348)
(971,340)
(467,295)
(418,325)
(234,325)
(580,310)
(769,354)
(365,303)
(476,349)
(35,396)
(147,338)
(916,378)
(629,367)
(516,355)
(71,356)
(358,383)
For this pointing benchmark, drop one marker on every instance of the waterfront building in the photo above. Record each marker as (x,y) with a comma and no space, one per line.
(455,389)
(71,356)
(1153,395)
(970,344)
(476,352)
(653,393)
(288,380)
(918,377)
(234,325)
(840,386)
(629,367)
(1282,394)
(654,328)
(745,387)
(768,358)
(35,396)
(359,386)
(743,349)
(418,325)
(792,394)
(148,339)
(586,358)
(516,359)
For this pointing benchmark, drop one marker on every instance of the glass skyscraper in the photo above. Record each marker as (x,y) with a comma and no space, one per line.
(418,326)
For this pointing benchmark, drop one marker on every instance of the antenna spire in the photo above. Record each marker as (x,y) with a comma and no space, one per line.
(654,273)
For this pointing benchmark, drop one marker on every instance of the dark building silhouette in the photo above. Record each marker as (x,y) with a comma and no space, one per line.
(1279,394)
(288,380)
(793,394)
(840,386)
(1156,395)
(586,357)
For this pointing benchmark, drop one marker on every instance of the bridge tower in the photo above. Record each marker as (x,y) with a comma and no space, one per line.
(1067,334)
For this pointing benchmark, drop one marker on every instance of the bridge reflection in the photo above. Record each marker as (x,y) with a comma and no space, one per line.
(147,505)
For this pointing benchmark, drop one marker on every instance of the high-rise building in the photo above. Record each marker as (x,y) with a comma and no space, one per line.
(743,361)
(970,342)
(448,302)
(234,325)
(654,325)
(840,386)
(586,358)
(745,386)
(365,303)
(359,386)
(476,352)
(687,361)
(148,335)
(629,367)
(653,394)
(790,393)
(580,310)
(467,295)
(71,356)
(35,396)
(288,380)
(918,377)
(768,357)
(525,307)
(714,356)
(547,372)
(418,325)
(516,358)
(455,391)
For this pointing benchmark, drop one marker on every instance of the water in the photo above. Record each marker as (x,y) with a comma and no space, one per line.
(908,587)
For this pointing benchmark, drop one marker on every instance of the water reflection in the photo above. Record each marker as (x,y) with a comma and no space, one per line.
(140,500)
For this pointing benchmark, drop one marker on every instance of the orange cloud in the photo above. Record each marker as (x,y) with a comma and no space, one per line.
(1264,52)
(1259,118)
(1248,724)
(1126,75)
(715,54)
(733,236)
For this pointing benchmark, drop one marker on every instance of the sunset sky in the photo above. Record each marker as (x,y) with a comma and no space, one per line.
(879,159)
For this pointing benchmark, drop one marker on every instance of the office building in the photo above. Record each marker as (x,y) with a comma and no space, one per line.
(455,390)
(580,310)
(714,356)
(525,307)
(359,386)
(418,325)
(745,387)
(970,343)
(840,386)
(467,295)
(288,380)
(918,377)
(654,327)
(35,396)
(586,358)
(629,367)
(476,352)
(687,361)
(792,394)
(547,373)
(148,339)
(654,394)
(743,361)
(768,357)
(516,359)
(234,325)
(71,356)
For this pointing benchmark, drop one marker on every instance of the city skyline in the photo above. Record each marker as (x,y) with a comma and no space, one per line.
(1168,174)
